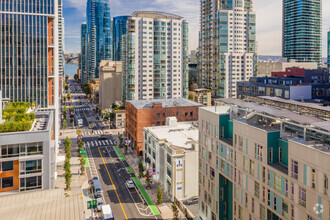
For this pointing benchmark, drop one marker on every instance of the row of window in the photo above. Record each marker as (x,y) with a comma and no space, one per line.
(21,150)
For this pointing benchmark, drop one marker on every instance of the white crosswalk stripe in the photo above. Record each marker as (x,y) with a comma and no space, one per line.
(103,142)
(100,143)
(110,142)
(106,141)
(92,144)
(96,143)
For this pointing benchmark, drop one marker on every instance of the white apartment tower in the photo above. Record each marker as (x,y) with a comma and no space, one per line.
(227,45)
(155,56)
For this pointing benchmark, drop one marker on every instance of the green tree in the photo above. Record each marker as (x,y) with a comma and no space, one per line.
(67,144)
(72,123)
(82,164)
(141,169)
(80,145)
(65,124)
(66,78)
(159,196)
(175,211)
(112,117)
(66,88)
(76,78)
(64,98)
(121,141)
(148,180)
(69,95)
(67,165)
(68,176)
(65,111)
(68,155)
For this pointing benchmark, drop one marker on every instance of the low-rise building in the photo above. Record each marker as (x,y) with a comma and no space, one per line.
(111,85)
(266,68)
(120,117)
(27,152)
(171,151)
(147,113)
(202,96)
(261,162)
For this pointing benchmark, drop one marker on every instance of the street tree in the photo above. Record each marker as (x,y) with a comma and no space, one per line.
(80,145)
(159,196)
(69,95)
(68,155)
(65,124)
(141,169)
(82,164)
(65,111)
(148,180)
(66,78)
(175,211)
(72,123)
(67,165)
(68,176)
(67,144)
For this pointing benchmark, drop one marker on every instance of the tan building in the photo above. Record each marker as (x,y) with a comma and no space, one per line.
(120,118)
(202,96)
(266,68)
(94,87)
(110,83)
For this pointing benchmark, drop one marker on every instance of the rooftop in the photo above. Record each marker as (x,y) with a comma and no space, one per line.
(156,14)
(45,204)
(179,135)
(166,103)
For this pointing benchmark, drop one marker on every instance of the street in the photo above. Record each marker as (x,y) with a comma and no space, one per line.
(105,163)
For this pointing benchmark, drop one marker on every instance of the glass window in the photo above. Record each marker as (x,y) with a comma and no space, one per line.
(302,196)
(7,166)
(294,167)
(7,182)
(257,189)
(277,180)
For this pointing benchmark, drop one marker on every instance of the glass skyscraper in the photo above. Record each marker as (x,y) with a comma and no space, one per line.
(329,50)
(119,24)
(302,30)
(99,37)
(83,52)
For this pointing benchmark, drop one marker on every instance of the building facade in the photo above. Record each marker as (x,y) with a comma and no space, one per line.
(201,96)
(172,152)
(227,45)
(302,30)
(28,159)
(259,162)
(31,38)
(266,68)
(329,50)
(110,83)
(155,56)
(119,28)
(147,113)
(99,37)
(83,53)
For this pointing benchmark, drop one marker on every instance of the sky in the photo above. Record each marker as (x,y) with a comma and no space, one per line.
(269,20)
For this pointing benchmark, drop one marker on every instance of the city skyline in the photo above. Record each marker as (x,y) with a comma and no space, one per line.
(269,25)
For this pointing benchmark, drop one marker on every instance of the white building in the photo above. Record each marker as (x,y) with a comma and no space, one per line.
(155,56)
(227,45)
(172,151)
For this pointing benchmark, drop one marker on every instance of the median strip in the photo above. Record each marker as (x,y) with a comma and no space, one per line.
(129,170)
(145,195)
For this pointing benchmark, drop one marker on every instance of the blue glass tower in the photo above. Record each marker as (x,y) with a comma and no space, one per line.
(329,50)
(99,37)
(302,30)
(118,30)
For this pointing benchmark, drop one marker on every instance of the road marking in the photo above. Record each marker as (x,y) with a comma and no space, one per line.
(106,141)
(87,121)
(100,143)
(103,142)
(114,187)
(139,194)
(92,143)
(111,142)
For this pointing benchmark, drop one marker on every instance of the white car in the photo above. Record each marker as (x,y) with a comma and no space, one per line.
(130,184)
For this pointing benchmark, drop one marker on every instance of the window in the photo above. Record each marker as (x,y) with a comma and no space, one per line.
(262,212)
(30,183)
(275,202)
(280,154)
(7,182)
(277,181)
(245,164)
(240,143)
(302,196)
(285,208)
(168,172)
(252,205)
(258,152)
(294,167)
(257,189)
(246,200)
(252,167)
(270,155)
(7,166)
(326,185)
(313,178)
(263,174)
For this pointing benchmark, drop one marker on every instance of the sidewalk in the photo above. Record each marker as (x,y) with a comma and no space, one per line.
(165,209)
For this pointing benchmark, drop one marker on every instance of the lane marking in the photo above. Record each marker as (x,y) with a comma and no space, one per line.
(114,187)
(139,195)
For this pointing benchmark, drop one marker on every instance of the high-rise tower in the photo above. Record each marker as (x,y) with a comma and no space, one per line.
(99,37)
(227,45)
(83,53)
(31,42)
(119,28)
(302,31)
(155,56)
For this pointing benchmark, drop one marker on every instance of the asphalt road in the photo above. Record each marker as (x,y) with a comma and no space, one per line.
(125,203)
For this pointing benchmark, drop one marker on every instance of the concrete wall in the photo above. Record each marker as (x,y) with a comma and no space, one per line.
(300,92)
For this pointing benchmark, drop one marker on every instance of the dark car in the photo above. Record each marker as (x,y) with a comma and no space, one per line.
(102,138)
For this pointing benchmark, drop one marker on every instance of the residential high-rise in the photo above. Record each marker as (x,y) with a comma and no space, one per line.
(329,50)
(302,30)
(227,45)
(99,37)
(31,42)
(155,56)
(119,28)
(83,53)
(261,162)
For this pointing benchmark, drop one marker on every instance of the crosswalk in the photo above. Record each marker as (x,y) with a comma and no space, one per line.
(81,109)
(97,143)
(94,132)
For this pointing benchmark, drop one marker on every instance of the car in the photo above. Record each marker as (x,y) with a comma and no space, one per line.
(99,204)
(102,138)
(191,201)
(130,184)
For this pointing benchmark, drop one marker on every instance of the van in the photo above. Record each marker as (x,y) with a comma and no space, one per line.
(107,213)
(96,186)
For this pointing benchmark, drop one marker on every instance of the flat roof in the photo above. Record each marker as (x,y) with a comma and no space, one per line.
(156,14)
(220,110)
(44,204)
(280,113)
(179,135)
(166,103)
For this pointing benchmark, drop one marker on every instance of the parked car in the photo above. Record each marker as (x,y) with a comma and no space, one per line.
(99,204)
(130,184)
(95,187)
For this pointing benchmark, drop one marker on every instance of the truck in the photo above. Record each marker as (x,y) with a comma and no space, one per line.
(107,213)
(79,120)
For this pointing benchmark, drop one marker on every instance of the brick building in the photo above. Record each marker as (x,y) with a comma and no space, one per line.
(147,113)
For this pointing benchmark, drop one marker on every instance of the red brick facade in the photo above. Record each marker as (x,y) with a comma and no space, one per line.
(137,119)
